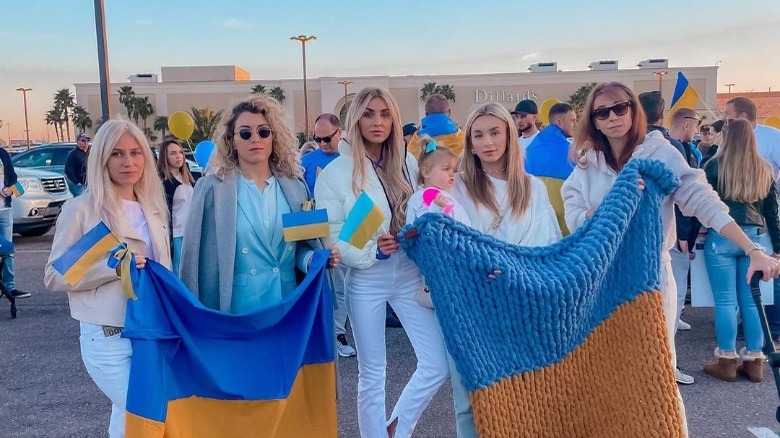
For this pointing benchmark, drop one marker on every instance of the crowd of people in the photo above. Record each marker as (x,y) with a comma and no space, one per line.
(498,173)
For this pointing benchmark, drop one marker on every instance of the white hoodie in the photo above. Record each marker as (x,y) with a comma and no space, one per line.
(333,192)
(590,182)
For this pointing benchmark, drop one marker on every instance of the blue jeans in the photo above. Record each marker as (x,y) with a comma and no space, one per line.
(176,256)
(7,228)
(727,267)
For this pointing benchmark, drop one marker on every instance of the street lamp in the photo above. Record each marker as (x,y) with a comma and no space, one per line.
(660,75)
(26,126)
(345,83)
(303,39)
(729,85)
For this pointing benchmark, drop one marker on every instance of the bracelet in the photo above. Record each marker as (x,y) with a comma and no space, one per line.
(753,249)
(380,255)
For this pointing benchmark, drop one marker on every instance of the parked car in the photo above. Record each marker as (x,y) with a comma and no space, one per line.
(36,211)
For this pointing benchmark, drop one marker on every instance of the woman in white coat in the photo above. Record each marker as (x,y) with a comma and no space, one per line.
(125,193)
(374,160)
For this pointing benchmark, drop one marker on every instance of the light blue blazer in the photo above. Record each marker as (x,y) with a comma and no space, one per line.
(218,260)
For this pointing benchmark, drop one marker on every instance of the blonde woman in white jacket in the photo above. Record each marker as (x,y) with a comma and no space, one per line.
(613,130)
(374,160)
(126,194)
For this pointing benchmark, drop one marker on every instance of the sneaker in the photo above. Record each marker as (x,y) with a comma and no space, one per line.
(683,326)
(343,347)
(682,378)
(16,293)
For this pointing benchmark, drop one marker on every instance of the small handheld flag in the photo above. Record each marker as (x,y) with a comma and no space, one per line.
(79,258)
(362,222)
(17,189)
(305,225)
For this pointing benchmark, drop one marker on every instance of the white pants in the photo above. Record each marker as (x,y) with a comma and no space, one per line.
(681,265)
(107,360)
(669,291)
(340,308)
(394,280)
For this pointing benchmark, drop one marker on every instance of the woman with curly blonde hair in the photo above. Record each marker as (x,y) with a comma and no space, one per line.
(234,257)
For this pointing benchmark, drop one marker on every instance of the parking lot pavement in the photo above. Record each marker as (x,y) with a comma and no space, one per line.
(45,391)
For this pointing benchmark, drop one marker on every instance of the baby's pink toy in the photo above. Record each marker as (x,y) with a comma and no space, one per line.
(430,194)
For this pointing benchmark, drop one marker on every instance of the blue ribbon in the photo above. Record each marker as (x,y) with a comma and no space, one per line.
(430,147)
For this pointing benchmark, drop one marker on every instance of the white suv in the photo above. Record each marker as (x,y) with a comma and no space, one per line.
(36,211)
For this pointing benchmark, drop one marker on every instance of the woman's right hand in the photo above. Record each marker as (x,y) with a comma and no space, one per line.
(140,263)
(387,243)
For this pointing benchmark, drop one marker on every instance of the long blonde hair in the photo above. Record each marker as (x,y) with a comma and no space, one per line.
(284,145)
(743,176)
(101,189)
(480,188)
(164,168)
(397,186)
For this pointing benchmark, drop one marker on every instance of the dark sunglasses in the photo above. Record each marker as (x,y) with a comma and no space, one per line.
(262,132)
(325,139)
(619,109)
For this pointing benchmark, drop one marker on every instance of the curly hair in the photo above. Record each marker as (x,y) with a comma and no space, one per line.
(284,154)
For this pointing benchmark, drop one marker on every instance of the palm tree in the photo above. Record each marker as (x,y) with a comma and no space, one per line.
(150,135)
(81,118)
(161,124)
(143,109)
(447,91)
(206,122)
(427,90)
(127,98)
(578,99)
(259,89)
(65,100)
(277,93)
(53,117)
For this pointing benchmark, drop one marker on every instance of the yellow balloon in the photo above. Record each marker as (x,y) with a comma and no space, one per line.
(773,121)
(544,110)
(181,125)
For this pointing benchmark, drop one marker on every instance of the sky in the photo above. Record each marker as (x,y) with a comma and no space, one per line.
(49,45)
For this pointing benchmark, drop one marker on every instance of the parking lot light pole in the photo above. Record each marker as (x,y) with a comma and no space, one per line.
(26,125)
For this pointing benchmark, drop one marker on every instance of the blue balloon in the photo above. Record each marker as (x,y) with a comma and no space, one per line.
(203,152)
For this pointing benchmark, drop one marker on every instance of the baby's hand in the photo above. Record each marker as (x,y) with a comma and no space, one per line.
(440,200)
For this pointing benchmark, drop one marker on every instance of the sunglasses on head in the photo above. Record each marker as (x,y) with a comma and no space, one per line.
(325,139)
(262,132)
(698,120)
(619,109)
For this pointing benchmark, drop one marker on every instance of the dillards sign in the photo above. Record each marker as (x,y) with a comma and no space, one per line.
(481,95)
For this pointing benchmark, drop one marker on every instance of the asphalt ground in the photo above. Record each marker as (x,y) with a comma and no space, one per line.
(46,392)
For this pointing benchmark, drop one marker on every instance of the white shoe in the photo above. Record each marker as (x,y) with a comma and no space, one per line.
(683,326)
(343,347)
(682,378)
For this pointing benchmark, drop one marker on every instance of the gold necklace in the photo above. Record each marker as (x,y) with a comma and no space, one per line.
(494,172)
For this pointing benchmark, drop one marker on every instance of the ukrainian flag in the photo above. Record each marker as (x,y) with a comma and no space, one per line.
(17,189)
(305,225)
(685,96)
(199,372)
(362,222)
(87,251)
(569,340)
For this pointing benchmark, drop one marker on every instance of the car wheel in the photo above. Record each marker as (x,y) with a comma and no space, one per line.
(35,232)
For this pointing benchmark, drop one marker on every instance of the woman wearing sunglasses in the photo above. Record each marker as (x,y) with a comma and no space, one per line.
(234,257)
(373,160)
(613,131)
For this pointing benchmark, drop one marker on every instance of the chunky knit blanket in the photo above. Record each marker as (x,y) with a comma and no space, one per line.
(569,340)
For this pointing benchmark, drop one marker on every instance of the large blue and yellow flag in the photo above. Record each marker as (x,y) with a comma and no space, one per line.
(685,96)
(568,340)
(198,372)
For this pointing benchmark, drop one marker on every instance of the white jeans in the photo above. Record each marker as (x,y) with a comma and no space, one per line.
(340,309)
(107,360)
(669,291)
(681,265)
(394,280)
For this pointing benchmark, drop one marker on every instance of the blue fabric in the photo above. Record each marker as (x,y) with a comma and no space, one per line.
(182,349)
(727,267)
(311,161)
(7,231)
(548,299)
(548,154)
(176,255)
(437,124)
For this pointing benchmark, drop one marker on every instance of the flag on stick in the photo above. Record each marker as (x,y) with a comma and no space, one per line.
(362,222)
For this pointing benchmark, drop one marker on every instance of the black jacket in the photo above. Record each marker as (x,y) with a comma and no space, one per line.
(9,174)
(76,166)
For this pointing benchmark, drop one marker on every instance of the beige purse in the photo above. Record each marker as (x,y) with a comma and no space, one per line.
(423,296)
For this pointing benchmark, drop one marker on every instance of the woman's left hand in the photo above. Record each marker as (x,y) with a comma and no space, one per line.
(760,261)
(334,259)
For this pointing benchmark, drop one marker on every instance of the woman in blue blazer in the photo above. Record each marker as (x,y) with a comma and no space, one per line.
(234,257)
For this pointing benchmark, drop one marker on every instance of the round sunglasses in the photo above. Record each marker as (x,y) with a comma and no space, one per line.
(619,109)
(246,133)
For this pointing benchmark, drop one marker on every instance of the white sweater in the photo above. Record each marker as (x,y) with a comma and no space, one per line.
(538,226)
(587,186)
(333,192)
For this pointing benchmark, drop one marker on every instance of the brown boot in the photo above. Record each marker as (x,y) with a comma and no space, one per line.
(724,368)
(752,365)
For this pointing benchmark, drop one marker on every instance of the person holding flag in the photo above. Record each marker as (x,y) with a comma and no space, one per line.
(11,187)
(125,200)
(366,190)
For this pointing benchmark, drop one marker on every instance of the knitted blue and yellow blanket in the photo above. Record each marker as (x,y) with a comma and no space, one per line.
(569,340)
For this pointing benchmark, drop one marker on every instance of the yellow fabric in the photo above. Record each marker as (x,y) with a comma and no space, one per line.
(548,402)
(453,142)
(554,195)
(294,417)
